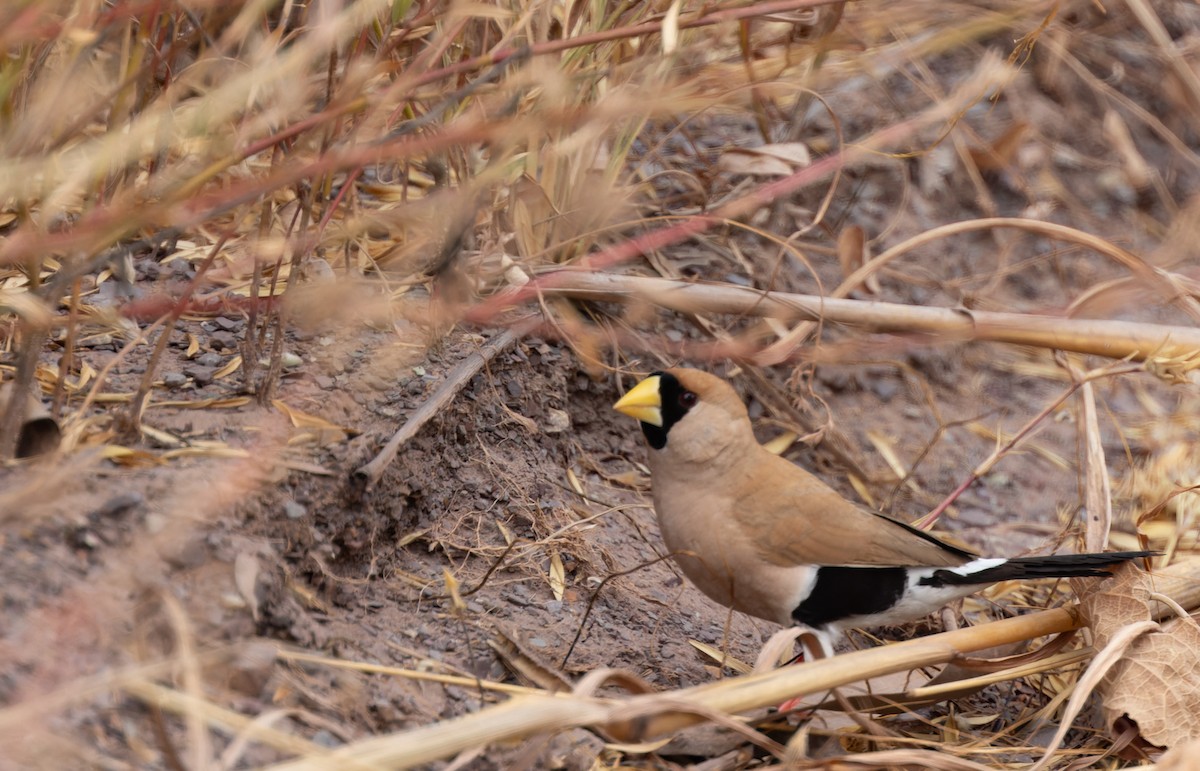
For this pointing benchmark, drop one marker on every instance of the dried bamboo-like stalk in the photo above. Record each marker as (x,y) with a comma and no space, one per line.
(642,717)
(1115,339)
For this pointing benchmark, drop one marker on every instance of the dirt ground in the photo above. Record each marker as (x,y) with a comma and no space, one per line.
(525,494)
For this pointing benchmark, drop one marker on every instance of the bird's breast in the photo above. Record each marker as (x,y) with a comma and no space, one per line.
(722,561)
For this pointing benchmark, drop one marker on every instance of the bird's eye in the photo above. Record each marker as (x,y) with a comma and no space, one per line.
(687,400)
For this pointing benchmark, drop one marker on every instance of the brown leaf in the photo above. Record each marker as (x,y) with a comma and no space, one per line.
(1157,683)
(1001,153)
(526,664)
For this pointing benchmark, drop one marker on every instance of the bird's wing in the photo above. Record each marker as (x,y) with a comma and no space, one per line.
(796,519)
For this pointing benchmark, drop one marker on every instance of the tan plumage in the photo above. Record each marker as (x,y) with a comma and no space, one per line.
(751,520)
(763,536)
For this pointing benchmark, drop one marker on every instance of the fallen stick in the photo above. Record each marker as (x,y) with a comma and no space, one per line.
(643,717)
(1115,339)
(455,380)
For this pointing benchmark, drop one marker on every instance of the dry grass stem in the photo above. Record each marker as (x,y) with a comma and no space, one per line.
(654,716)
(1172,346)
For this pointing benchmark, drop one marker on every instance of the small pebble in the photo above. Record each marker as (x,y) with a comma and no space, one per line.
(884,389)
(294,510)
(325,382)
(554,606)
(209,360)
(224,340)
(557,421)
(174,380)
(228,324)
(117,505)
(325,739)
(201,376)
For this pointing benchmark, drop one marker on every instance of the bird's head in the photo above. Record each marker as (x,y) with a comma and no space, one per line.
(689,413)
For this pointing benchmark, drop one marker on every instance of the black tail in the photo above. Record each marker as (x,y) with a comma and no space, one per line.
(1055,566)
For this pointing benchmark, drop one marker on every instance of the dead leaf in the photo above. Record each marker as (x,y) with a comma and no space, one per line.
(408,538)
(452,590)
(1137,171)
(1001,153)
(245,577)
(721,657)
(1183,758)
(162,437)
(778,160)
(125,456)
(1097,490)
(234,364)
(525,663)
(227,402)
(573,480)
(1157,683)
(320,429)
(670,29)
(887,449)
(779,445)
(532,215)
(558,576)
(852,254)
(206,450)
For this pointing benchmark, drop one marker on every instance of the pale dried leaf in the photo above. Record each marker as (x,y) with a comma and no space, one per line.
(886,447)
(670,28)
(207,450)
(234,364)
(245,577)
(1097,491)
(324,431)
(860,487)
(558,576)
(1185,757)
(779,444)
(850,249)
(573,480)
(1157,683)
(452,589)
(1137,170)
(779,160)
(532,215)
(721,657)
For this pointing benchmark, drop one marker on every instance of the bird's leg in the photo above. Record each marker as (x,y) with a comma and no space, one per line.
(815,644)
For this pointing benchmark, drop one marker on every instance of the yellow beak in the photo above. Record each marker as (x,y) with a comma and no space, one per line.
(643,402)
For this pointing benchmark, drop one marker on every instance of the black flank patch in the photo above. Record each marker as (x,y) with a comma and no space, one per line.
(842,592)
(669,391)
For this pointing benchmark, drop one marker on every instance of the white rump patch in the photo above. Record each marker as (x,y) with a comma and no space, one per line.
(976,566)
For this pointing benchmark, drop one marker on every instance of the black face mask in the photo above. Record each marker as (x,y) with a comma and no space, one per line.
(676,401)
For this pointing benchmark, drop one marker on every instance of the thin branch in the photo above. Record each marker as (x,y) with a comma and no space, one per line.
(1114,339)
(458,377)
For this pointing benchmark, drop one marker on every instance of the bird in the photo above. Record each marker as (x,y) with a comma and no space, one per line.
(759,534)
